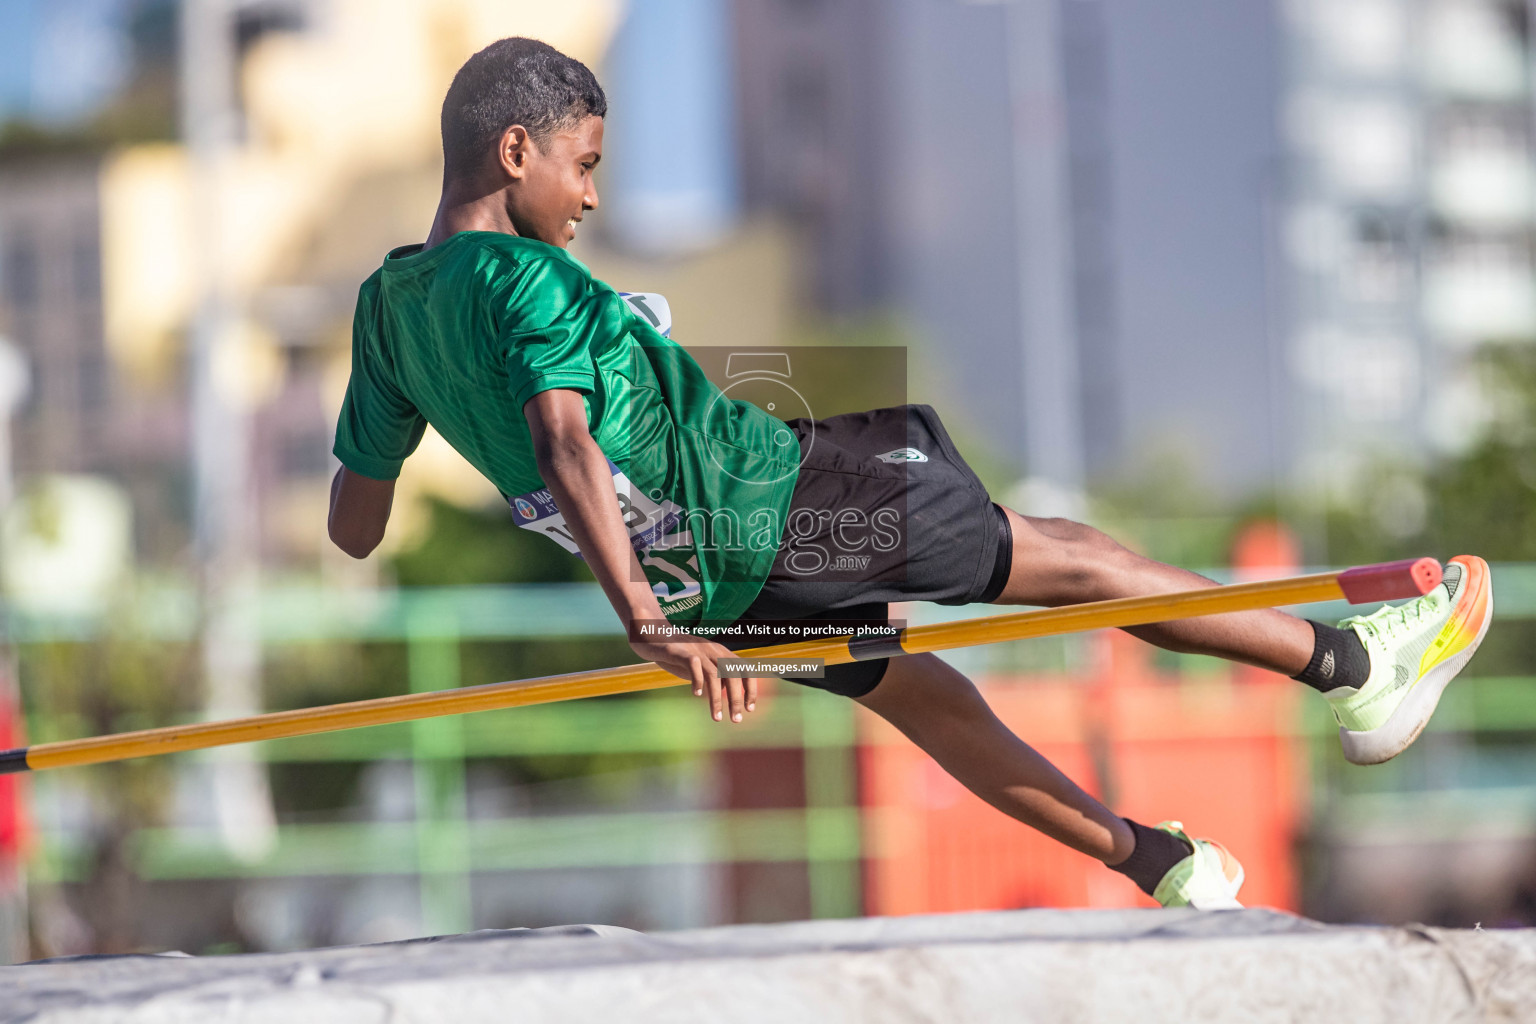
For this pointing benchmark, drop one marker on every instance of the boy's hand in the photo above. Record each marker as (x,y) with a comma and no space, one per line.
(694,659)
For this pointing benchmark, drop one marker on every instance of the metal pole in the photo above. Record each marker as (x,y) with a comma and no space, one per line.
(15,382)
(442,811)
(1052,385)
(224,526)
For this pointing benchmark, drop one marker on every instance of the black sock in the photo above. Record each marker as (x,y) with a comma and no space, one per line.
(1155,853)
(1338,659)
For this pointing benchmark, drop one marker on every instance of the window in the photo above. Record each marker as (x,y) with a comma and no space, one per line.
(85,260)
(21,270)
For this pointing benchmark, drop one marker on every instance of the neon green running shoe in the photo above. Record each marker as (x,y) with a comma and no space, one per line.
(1415,650)
(1208,879)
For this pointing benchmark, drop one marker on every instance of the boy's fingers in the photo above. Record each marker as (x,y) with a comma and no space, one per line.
(737,692)
(696,669)
(752,693)
(716,709)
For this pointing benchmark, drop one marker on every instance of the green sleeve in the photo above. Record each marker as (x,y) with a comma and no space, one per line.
(378,426)
(554,324)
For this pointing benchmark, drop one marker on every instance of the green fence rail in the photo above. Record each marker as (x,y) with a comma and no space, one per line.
(445,847)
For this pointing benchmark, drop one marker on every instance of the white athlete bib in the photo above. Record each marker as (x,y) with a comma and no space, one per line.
(653,307)
(648,522)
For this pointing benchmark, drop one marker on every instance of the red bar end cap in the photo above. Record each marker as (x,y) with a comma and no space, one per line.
(1390,581)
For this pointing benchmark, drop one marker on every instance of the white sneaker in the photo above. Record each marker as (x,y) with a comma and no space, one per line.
(1208,879)
(1415,649)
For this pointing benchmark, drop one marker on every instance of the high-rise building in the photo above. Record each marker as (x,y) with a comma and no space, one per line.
(1410,221)
(50,266)
(940,168)
(812,92)
(967,164)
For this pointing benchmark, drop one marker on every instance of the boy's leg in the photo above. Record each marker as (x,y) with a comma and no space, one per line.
(1057,562)
(1382,674)
(941,711)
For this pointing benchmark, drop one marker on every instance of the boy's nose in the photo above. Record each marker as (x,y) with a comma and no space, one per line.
(589,201)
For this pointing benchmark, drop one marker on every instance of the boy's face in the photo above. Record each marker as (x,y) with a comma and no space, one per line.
(557,187)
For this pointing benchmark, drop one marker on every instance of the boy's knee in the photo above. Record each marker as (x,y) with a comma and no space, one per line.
(1078,558)
(1066,531)
(917,687)
(1074,540)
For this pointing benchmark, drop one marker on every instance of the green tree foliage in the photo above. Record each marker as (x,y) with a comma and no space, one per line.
(1485,501)
(1481,501)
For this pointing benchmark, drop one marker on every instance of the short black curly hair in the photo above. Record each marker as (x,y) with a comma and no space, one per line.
(514,81)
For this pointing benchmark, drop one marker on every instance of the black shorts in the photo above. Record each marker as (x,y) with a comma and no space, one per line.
(884,509)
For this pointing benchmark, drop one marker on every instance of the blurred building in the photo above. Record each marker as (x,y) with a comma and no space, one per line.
(1282,254)
(1409,225)
(82,412)
(50,262)
(811,90)
(914,143)
(669,179)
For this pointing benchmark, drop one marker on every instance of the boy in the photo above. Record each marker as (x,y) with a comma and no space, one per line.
(605,436)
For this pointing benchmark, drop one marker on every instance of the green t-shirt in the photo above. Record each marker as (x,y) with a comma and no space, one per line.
(461,335)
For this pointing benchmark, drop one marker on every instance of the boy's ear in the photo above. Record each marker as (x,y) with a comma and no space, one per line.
(514,150)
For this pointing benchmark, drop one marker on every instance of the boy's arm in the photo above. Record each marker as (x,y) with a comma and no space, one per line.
(359,511)
(576,472)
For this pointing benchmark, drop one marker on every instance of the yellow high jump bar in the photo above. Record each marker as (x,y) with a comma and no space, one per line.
(1385,582)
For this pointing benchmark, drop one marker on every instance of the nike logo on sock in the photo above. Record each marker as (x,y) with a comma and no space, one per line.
(1326,668)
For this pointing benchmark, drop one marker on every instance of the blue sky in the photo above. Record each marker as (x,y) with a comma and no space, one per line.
(59,59)
(669,85)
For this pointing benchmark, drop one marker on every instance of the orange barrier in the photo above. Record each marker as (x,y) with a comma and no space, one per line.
(1222,758)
